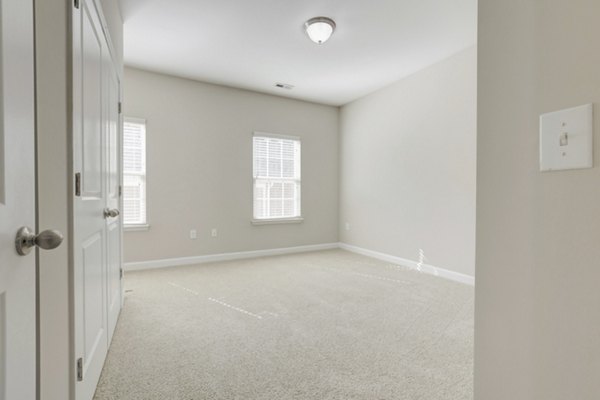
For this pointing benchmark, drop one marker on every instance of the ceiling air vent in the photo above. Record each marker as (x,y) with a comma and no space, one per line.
(284,86)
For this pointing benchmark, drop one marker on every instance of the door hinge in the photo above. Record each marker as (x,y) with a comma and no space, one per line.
(120,190)
(121,273)
(78,184)
(79,369)
(120,107)
(76,3)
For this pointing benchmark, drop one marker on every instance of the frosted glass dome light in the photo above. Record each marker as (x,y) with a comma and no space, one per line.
(319,29)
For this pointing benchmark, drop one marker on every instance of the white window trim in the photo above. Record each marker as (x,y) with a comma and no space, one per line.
(135,120)
(146,225)
(276,136)
(282,220)
(276,221)
(136,227)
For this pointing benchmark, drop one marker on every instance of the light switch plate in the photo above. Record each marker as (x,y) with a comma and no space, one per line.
(566,139)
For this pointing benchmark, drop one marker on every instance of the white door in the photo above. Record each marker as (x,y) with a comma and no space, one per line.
(91,337)
(113,200)
(17,203)
(96,221)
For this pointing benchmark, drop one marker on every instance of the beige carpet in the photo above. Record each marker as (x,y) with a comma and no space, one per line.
(323,325)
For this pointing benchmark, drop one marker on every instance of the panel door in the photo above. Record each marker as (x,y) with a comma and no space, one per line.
(89,226)
(17,201)
(113,200)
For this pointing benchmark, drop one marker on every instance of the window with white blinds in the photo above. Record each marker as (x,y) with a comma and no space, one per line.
(134,172)
(276,177)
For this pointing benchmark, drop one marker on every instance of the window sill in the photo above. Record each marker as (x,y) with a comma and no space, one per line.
(276,221)
(136,228)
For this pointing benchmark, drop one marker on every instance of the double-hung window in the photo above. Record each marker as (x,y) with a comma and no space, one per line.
(276,178)
(134,173)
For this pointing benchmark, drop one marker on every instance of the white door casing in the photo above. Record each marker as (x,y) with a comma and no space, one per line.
(17,201)
(96,164)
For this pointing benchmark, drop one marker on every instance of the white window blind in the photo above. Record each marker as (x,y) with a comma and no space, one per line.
(276,177)
(134,172)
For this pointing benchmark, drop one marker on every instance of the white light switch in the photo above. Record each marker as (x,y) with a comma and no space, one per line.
(566,139)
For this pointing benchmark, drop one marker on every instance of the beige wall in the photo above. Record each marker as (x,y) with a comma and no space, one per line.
(537,319)
(199,165)
(408,166)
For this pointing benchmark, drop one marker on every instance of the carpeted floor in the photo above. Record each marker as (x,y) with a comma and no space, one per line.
(324,325)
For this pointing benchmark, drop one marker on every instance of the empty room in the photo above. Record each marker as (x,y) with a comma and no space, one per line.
(272,200)
(298,201)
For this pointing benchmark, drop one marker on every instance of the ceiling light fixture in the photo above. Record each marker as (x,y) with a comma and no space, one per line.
(319,29)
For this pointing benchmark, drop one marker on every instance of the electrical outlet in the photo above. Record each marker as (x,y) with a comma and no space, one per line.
(347,226)
(193,234)
(214,232)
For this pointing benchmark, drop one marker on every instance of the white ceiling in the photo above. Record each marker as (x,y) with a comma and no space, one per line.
(253,44)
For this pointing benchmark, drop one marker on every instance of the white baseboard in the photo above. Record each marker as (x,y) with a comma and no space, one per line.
(174,262)
(425,268)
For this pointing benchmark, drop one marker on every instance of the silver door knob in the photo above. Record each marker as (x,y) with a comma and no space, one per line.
(111,213)
(26,240)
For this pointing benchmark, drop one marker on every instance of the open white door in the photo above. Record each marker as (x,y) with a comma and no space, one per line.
(17,203)
(91,337)
(96,219)
(113,196)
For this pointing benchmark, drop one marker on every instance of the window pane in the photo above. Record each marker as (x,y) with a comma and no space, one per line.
(131,210)
(275,208)
(260,157)
(260,196)
(288,149)
(274,168)
(276,190)
(275,148)
(289,208)
(288,169)
(289,190)
(260,167)
(133,147)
